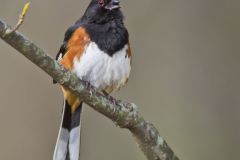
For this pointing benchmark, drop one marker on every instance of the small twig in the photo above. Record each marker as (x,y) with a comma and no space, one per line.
(20,20)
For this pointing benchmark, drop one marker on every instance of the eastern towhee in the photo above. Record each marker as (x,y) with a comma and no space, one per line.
(96,48)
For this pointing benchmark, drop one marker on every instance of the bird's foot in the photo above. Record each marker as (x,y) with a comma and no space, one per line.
(90,87)
(112,99)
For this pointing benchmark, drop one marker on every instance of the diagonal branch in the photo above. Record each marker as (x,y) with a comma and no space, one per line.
(123,114)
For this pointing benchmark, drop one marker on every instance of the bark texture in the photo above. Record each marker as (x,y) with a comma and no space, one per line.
(123,114)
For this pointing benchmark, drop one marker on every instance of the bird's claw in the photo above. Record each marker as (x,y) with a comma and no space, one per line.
(91,88)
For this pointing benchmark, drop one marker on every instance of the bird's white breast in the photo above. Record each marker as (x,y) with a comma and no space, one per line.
(101,70)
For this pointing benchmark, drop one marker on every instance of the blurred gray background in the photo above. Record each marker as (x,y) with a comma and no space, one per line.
(185,78)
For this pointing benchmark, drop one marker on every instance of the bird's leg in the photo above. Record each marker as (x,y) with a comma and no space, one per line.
(113,100)
(90,87)
(105,93)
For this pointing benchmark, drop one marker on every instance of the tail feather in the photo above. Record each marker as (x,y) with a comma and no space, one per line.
(68,143)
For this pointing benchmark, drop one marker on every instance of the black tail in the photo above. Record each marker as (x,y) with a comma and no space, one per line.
(68,143)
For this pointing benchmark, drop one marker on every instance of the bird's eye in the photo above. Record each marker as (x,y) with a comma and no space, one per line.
(101,3)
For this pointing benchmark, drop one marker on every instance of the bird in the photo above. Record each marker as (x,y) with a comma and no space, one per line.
(96,48)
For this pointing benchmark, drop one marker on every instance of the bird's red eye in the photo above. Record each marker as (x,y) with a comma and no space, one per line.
(101,2)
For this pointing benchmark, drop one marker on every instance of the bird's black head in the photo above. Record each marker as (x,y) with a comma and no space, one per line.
(109,4)
(103,11)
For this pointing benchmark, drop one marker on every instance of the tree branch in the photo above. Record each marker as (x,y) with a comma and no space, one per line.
(123,114)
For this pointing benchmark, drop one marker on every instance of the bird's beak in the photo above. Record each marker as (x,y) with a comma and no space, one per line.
(114,4)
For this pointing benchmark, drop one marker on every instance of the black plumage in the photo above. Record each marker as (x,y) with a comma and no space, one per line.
(105,28)
(102,23)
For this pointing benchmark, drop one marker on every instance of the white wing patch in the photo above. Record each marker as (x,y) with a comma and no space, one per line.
(59,58)
(101,70)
